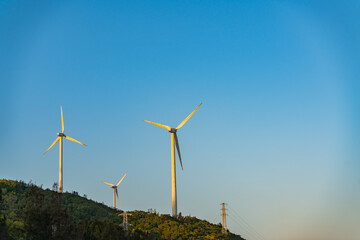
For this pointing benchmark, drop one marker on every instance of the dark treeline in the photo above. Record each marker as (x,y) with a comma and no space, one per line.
(41,216)
(32,213)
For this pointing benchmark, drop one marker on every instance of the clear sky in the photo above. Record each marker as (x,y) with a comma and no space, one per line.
(277,135)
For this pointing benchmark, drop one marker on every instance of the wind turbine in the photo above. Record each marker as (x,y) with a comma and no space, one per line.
(174,142)
(115,191)
(60,138)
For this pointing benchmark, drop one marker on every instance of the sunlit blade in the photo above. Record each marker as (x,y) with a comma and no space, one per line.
(71,139)
(108,183)
(160,125)
(57,139)
(121,179)
(117,194)
(178,150)
(186,119)
(62,119)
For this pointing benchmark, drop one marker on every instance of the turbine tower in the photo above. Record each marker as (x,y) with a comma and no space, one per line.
(115,191)
(174,142)
(60,138)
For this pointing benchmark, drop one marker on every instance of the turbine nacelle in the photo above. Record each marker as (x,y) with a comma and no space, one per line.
(114,187)
(61,135)
(173,130)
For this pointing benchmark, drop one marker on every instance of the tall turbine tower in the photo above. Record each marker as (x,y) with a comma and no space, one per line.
(115,191)
(60,138)
(174,142)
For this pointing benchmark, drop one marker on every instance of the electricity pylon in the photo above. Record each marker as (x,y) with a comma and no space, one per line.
(125,223)
(223,221)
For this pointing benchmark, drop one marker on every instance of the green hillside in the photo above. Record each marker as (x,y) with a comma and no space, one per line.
(30,212)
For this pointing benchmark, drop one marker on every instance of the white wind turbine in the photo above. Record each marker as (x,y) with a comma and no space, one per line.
(60,138)
(174,142)
(115,191)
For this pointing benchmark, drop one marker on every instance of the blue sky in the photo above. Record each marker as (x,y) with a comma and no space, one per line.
(276,137)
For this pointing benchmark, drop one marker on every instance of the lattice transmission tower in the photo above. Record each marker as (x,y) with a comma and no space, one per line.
(223,220)
(125,223)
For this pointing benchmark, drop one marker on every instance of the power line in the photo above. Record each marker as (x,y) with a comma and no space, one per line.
(251,230)
(245,228)
(214,219)
(247,224)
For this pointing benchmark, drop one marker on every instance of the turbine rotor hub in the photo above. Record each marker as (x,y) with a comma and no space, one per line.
(173,130)
(61,135)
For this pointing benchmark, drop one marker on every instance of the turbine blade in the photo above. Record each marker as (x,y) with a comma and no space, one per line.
(121,179)
(108,183)
(178,150)
(160,125)
(117,194)
(62,120)
(57,139)
(186,119)
(71,139)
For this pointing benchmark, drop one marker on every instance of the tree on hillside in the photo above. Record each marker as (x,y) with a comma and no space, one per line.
(99,230)
(45,217)
(3,228)
(61,220)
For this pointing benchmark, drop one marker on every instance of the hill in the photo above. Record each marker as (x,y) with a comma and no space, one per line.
(30,212)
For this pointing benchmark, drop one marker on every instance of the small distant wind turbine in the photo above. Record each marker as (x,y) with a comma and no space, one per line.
(60,138)
(174,142)
(115,191)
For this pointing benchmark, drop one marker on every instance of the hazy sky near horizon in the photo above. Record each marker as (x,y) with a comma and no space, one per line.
(277,134)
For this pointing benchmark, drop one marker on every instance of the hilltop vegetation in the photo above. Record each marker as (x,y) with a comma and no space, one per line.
(30,212)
